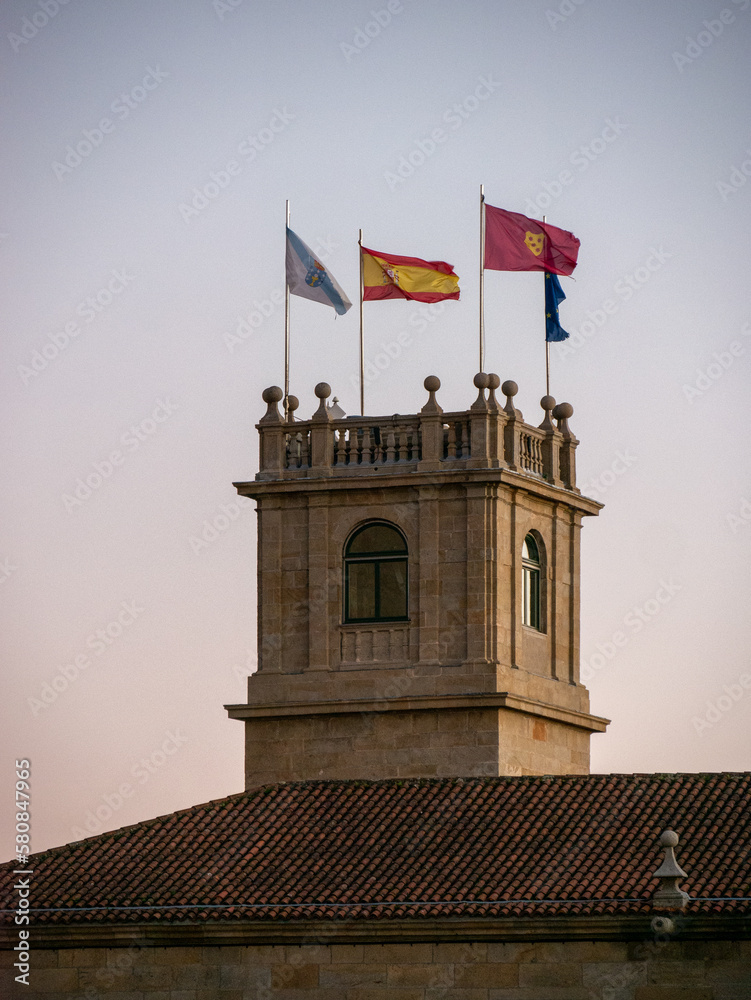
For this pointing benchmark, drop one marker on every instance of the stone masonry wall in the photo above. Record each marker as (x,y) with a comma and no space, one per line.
(572,970)
(485,742)
(465,576)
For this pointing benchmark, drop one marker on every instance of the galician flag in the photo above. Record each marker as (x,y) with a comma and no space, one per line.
(387,276)
(308,278)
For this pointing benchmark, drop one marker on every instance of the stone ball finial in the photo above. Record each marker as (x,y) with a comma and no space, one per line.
(563,411)
(669,838)
(509,388)
(292,404)
(273,394)
(322,391)
(432,383)
(271,397)
(547,403)
(493,382)
(482,381)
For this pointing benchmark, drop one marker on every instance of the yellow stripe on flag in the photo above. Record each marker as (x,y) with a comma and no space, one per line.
(377,271)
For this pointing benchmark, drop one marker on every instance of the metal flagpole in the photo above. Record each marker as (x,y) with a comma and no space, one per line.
(286,319)
(482,278)
(362,332)
(547,342)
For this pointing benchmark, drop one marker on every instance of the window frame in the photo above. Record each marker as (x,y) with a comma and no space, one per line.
(376,559)
(532,593)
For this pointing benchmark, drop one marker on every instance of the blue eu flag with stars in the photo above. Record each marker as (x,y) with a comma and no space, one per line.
(553,295)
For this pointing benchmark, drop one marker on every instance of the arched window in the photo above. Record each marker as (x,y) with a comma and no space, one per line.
(375,575)
(531,604)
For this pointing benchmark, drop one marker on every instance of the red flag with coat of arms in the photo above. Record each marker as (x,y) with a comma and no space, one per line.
(514,242)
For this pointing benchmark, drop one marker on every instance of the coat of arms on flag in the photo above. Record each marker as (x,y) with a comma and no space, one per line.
(392,276)
(308,278)
(315,274)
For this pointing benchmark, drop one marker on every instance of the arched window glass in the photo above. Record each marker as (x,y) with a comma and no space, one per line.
(375,575)
(531,583)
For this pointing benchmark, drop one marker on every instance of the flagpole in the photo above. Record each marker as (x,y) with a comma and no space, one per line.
(482,278)
(362,332)
(286,319)
(547,342)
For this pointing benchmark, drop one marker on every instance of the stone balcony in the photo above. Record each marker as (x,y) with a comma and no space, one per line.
(486,436)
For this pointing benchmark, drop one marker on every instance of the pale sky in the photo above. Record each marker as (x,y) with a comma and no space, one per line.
(149,149)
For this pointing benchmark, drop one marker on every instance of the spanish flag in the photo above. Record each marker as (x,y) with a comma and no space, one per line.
(386,276)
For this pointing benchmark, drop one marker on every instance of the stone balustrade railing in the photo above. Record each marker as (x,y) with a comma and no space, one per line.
(487,435)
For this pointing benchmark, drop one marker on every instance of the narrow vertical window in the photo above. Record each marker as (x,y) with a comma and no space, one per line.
(375,575)
(531,583)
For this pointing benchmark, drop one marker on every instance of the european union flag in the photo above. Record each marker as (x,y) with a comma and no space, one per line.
(553,295)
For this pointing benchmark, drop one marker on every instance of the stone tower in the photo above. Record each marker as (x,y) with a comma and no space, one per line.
(418,594)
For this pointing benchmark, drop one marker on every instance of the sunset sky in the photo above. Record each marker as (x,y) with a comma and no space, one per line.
(149,149)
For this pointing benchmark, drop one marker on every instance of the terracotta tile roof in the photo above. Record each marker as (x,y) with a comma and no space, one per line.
(529,846)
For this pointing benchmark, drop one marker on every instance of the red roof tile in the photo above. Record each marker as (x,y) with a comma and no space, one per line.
(529,846)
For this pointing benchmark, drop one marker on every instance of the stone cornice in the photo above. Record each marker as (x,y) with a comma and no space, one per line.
(502,699)
(585,928)
(370,479)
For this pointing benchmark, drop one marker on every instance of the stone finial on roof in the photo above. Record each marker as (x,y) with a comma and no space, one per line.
(561,413)
(432,383)
(271,397)
(494,382)
(322,391)
(668,896)
(481,381)
(548,405)
(509,390)
(292,404)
